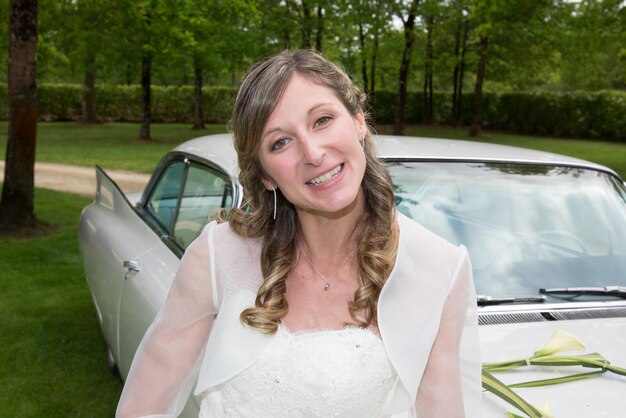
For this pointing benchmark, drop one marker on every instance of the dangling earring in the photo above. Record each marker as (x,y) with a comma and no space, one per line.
(274,190)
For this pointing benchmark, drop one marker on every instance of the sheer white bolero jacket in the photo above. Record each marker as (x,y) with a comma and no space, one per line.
(197,338)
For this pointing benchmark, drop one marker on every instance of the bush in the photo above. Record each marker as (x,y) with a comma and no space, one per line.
(573,114)
(62,102)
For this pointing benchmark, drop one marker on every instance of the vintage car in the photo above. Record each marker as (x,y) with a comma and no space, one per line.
(546,234)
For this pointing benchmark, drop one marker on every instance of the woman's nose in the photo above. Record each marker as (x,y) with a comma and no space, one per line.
(313,151)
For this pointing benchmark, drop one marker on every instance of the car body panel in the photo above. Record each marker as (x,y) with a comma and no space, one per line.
(102,224)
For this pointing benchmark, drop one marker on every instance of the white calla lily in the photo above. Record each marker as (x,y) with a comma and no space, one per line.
(545,410)
(560,341)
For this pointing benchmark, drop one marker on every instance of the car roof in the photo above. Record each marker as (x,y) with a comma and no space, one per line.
(219,150)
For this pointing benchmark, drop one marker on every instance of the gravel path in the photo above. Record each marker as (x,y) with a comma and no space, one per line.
(81,180)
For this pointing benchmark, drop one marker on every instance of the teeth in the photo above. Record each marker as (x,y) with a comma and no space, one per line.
(325,177)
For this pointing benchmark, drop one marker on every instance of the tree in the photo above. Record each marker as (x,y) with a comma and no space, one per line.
(209,33)
(371,18)
(428,66)
(460,49)
(146,73)
(408,22)
(93,22)
(502,31)
(303,10)
(17,205)
(476,125)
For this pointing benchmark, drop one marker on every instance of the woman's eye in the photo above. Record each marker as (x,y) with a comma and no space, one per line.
(280,143)
(322,121)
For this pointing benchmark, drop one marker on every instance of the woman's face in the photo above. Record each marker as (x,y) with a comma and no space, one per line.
(310,149)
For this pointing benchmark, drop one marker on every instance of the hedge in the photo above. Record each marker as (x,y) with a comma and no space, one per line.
(573,114)
(61,102)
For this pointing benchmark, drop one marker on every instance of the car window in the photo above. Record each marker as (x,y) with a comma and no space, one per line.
(525,226)
(186,197)
(164,198)
(205,192)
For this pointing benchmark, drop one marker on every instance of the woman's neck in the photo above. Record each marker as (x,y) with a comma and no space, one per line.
(329,238)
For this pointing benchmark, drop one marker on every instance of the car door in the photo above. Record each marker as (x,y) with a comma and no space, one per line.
(110,231)
(185,197)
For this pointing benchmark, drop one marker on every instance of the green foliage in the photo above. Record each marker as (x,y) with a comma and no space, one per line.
(63,102)
(575,114)
(59,101)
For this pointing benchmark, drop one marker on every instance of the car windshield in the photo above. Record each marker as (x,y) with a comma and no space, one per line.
(526,227)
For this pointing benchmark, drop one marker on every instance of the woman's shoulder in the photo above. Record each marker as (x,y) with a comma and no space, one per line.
(226,243)
(417,234)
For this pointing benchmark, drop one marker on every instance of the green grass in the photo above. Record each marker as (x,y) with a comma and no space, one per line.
(115,145)
(110,145)
(610,154)
(52,360)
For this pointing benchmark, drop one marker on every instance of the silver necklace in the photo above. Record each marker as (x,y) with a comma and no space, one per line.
(332,276)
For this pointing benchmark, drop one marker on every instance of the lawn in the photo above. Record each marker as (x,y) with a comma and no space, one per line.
(110,145)
(115,145)
(52,361)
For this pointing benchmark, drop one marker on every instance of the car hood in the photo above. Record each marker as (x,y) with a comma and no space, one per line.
(596,396)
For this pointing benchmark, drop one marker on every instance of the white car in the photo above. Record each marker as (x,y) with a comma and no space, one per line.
(546,234)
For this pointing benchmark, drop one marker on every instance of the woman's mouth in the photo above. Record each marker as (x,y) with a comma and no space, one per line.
(326,177)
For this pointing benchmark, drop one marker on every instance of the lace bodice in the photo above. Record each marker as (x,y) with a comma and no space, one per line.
(335,373)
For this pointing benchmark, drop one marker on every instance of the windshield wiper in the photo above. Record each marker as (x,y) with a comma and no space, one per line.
(618,291)
(483,300)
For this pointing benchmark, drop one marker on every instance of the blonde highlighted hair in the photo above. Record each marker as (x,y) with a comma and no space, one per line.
(376,240)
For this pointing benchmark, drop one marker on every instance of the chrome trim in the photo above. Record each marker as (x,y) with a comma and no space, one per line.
(512,314)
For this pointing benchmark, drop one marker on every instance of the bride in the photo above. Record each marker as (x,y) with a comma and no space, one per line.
(317,298)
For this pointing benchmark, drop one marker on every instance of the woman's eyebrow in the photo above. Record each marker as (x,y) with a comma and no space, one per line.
(317,106)
(271,131)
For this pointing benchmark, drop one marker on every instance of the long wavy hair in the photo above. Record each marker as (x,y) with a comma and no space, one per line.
(376,238)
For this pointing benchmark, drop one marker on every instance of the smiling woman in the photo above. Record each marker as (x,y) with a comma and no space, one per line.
(317,298)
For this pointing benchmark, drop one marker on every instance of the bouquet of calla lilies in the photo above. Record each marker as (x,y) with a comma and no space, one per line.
(548,355)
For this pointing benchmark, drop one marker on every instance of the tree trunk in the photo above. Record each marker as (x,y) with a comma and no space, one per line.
(320,29)
(146,99)
(363,57)
(306,26)
(409,39)
(129,75)
(89,92)
(457,68)
(459,98)
(478,91)
(374,60)
(17,205)
(198,122)
(428,73)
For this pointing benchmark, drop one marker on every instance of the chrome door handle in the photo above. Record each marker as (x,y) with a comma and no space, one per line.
(130,266)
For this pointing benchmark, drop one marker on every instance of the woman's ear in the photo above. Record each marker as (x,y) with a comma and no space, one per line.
(268,184)
(361,126)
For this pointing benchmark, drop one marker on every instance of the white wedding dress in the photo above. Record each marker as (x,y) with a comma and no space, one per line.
(334,373)
(198,344)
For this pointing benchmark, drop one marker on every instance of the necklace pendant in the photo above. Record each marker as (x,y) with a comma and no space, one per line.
(326,286)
